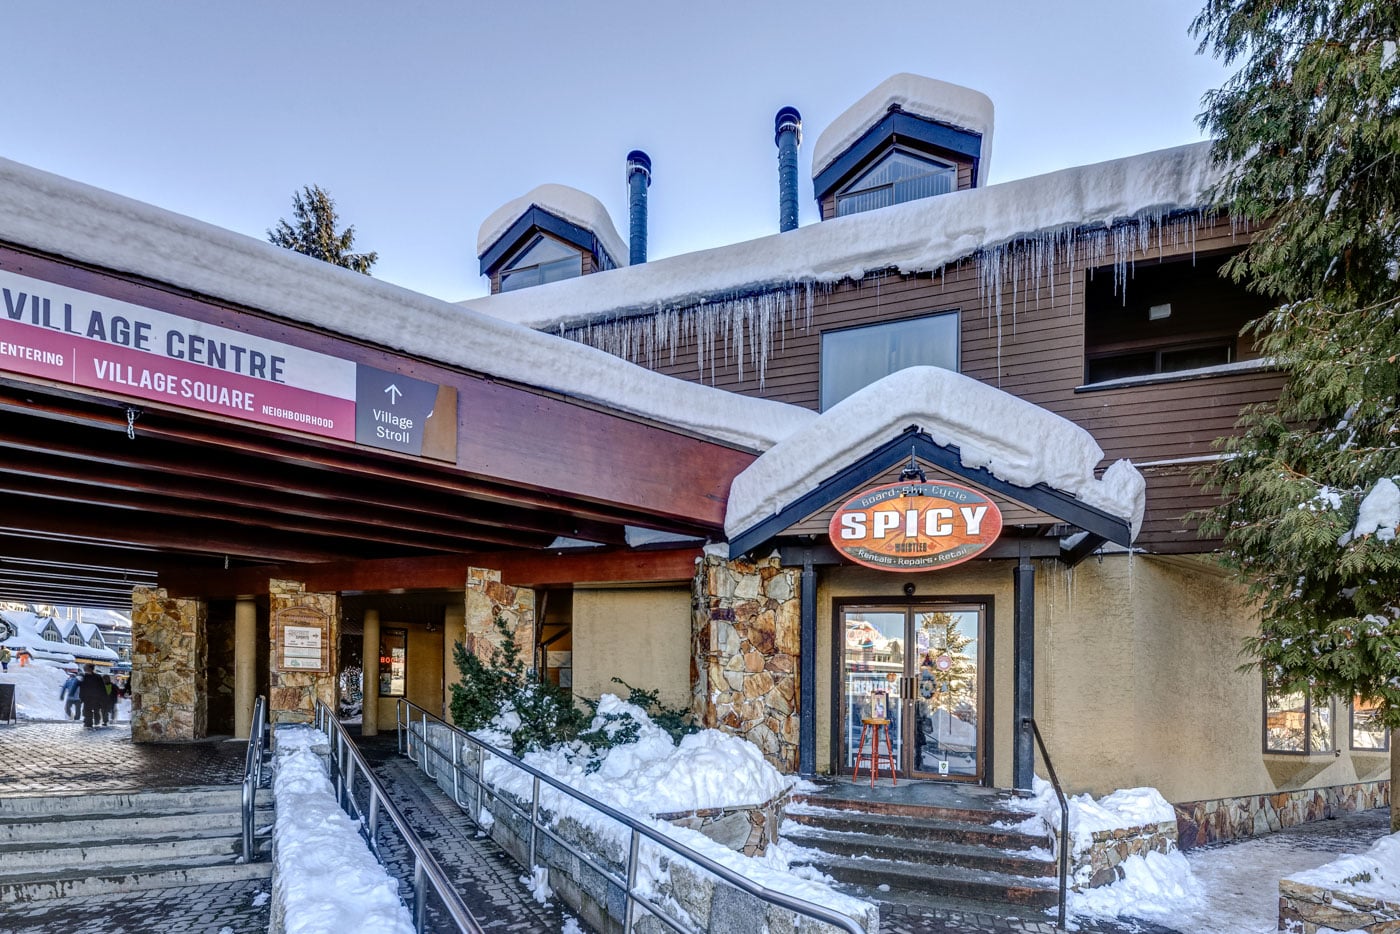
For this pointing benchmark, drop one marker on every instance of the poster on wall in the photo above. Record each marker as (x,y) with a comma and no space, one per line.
(300,639)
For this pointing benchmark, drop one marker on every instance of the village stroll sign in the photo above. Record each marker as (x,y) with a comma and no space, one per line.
(915,526)
(54,332)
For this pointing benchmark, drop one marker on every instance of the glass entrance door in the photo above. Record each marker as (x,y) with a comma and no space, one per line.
(923,664)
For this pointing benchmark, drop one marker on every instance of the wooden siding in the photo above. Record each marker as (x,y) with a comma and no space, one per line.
(1037,353)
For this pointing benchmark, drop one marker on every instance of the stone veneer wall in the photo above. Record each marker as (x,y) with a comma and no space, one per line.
(1222,820)
(1099,865)
(1308,909)
(168,656)
(748,830)
(746,638)
(292,695)
(486,598)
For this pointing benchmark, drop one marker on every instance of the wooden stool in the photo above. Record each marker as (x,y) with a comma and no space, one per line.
(874,757)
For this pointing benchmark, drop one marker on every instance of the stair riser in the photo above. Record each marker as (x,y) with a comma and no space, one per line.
(997,839)
(990,861)
(125,828)
(891,809)
(111,883)
(873,878)
(37,859)
(38,807)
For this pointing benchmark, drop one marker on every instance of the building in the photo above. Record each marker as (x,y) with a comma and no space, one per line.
(933,453)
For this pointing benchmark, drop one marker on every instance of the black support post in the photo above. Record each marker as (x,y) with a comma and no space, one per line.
(1023,749)
(807,672)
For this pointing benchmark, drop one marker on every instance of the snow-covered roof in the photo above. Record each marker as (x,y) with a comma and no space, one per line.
(930,98)
(916,236)
(1017,441)
(56,215)
(29,639)
(570,204)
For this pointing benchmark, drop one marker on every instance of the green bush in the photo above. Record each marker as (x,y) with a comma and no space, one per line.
(620,729)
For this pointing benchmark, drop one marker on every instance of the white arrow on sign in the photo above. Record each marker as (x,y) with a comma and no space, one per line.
(394,393)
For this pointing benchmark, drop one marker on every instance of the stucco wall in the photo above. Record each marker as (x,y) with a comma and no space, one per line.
(641,636)
(1137,679)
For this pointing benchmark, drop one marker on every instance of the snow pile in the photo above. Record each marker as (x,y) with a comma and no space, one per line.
(1379,514)
(1015,440)
(930,98)
(55,215)
(37,686)
(570,204)
(328,879)
(1154,885)
(1373,874)
(655,775)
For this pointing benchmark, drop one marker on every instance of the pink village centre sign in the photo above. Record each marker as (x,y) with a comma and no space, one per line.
(78,338)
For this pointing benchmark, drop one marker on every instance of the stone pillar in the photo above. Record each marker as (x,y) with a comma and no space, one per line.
(369,702)
(746,647)
(294,684)
(245,665)
(486,598)
(169,700)
(454,630)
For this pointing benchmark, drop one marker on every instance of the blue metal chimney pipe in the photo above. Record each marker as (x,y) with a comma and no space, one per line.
(638,181)
(787,133)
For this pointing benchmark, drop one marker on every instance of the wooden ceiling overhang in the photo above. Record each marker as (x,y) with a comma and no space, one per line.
(1042,521)
(95,503)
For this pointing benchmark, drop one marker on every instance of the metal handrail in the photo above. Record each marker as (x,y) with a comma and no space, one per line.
(427,873)
(252,775)
(1064,819)
(637,829)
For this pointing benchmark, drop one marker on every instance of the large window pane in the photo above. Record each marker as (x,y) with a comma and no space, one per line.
(856,357)
(898,177)
(1366,731)
(1286,723)
(393,662)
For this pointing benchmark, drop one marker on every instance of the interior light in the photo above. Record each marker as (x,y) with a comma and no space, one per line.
(1159,312)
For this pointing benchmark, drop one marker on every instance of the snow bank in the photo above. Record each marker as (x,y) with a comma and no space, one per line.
(916,236)
(1155,885)
(328,879)
(37,686)
(1373,874)
(936,100)
(55,215)
(1015,440)
(1124,808)
(574,206)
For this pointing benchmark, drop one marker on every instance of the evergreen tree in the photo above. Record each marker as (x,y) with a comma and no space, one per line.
(958,683)
(1310,130)
(314,233)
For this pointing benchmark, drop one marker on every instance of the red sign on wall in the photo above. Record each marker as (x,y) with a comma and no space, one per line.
(915,526)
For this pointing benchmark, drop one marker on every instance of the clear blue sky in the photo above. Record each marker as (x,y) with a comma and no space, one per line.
(423,116)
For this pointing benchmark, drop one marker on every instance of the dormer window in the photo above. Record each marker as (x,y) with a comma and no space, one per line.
(897,177)
(543,260)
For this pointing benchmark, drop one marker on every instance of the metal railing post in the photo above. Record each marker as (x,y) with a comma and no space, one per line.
(534,820)
(632,851)
(456,798)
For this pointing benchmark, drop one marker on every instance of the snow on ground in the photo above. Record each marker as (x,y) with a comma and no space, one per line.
(655,775)
(1373,874)
(332,882)
(37,687)
(1015,440)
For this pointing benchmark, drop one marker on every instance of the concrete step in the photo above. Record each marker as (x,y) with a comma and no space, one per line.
(915,828)
(105,854)
(196,798)
(964,808)
(937,881)
(82,882)
(941,853)
(85,826)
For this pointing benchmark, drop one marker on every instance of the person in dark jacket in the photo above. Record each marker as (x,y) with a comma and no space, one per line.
(109,709)
(72,703)
(94,695)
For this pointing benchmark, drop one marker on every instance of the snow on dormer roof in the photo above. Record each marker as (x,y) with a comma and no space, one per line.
(570,204)
(951,104)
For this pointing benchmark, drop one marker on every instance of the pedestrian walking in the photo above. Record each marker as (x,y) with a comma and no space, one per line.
(109,708)
(72,702)
(4,658)
(94,695)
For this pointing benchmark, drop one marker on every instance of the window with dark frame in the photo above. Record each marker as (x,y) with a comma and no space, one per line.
(1296,725)
(543,260)
(853,358)
(898,176)
(393,662)
(1164,317)
(1368,734)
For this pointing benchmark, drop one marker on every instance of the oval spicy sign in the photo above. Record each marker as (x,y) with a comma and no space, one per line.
(915,526)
